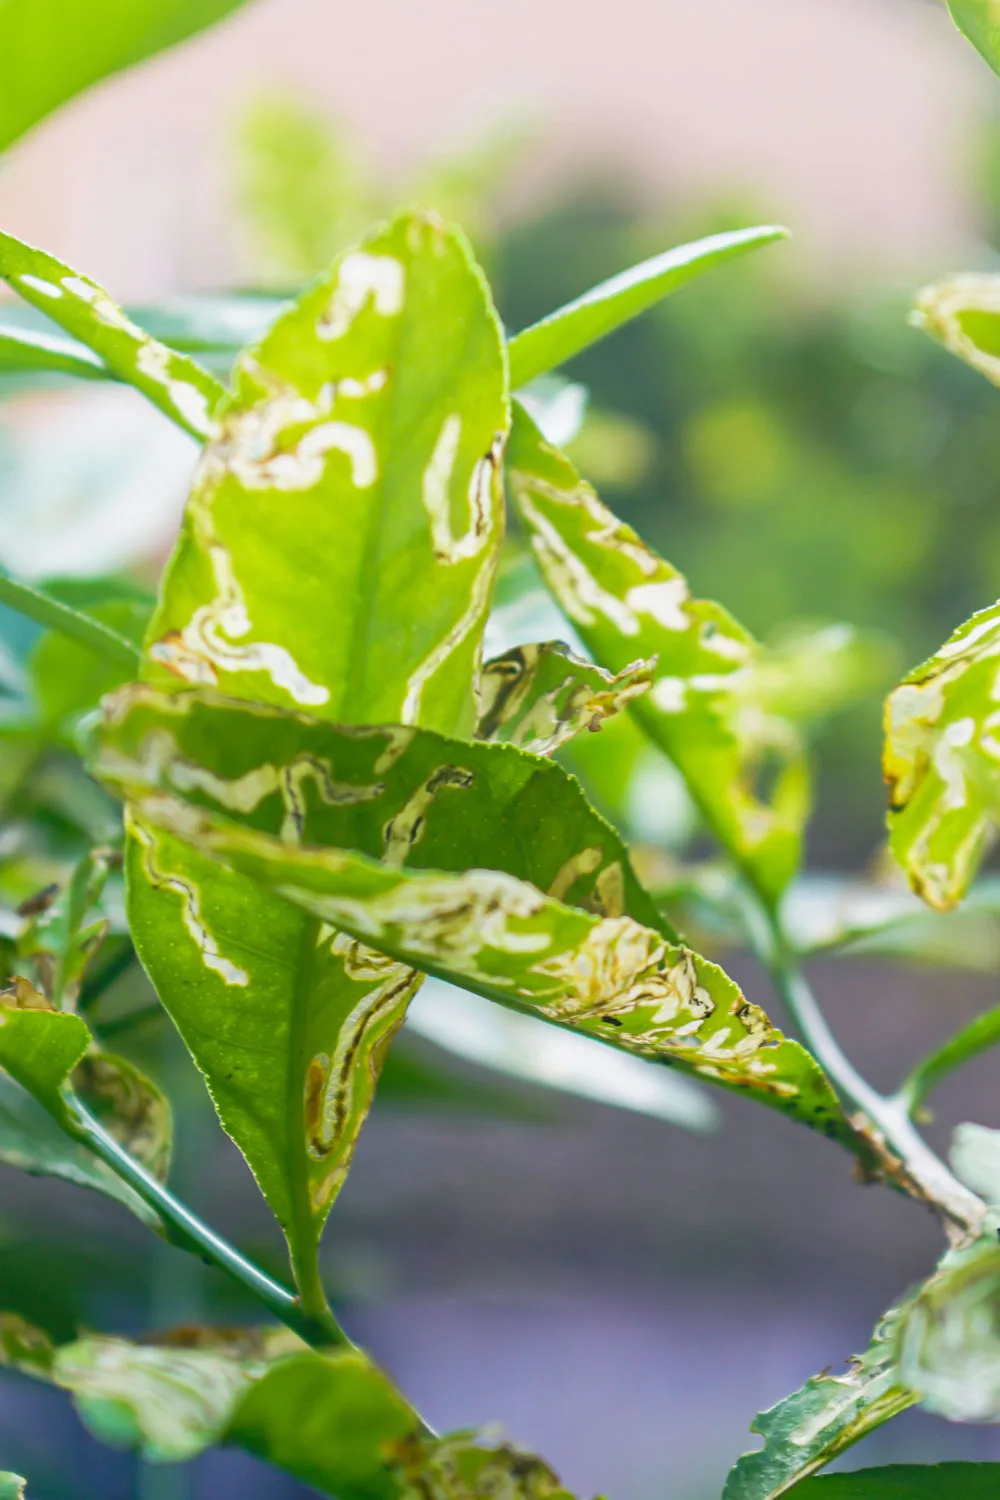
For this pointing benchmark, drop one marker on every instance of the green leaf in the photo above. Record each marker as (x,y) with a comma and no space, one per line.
(130,1106)
(40,1047)
(332,1420)
(942,762)
(963,313)
(169,1400)
(708,708)
(539,696)
(31,1141)
(47,610)
(181,389)
(572,328)
(975,1158)
(949,1338)
(490,931)
(11,1486)
(338,553)
(811,1427)
(906,1482)
(24,351)
(979,20)
(457,1467)
(60,940)
(53,49)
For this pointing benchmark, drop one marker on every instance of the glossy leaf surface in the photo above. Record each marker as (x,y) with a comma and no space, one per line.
(979,20)
(809,1428)
(53,49)
(564,333)
(906,1482)
(942,762)
(539,696)
(708,708)
(337,554)
(181,389)
(486,929)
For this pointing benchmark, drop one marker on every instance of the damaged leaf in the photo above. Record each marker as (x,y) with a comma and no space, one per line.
(942,762)
(40,1047)
(810,1428)
(949,1336)
(963,313)
(174,382)
(539,696)
(130,1106)
(607,975)
(708,707)
(457,1468)
(337,555)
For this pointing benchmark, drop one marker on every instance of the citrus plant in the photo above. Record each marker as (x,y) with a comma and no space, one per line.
(330,792)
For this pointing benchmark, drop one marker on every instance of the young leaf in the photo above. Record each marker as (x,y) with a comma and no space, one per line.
(949,1337)
(338,554)
(607,975)
(963,313)
(459,1466)
(906,1482)
(53,49)
(60,941)
(539,696)
(708,707)
(979,20)
(564,333)
(173,382)
(811,1427)
(47,610)
(40,1047)
(942,762)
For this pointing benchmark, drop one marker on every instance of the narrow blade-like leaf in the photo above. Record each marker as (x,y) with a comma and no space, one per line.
(173,382)
(809,1428)
(23,351)
(539,696)
(53,49)
(942,762)
(46,610)
(582,322)
(337,554)
(708,708)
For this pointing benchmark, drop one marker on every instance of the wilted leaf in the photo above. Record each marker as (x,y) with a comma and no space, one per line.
(488,930)
(942,762)
(526,1048)
(572,328)
(809,1428)
(979,20)
(539,696)
(337,554)
(906,1482)
(459,1468)
(708,708)
(183,390)
(55,48)
(949,1337)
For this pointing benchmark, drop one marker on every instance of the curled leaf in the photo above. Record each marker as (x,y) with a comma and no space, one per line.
(539,696)
(949,1339)
(963,313)
(942,762)
(459,1468)
(130,1106)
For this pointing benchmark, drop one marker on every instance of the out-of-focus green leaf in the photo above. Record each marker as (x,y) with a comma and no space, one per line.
(948,1340)
(53,49)
(942,762)
(40,1047)
(31,1141)
(707,708)
(809,671)
(963,313)
(526,1048)
(811,1427)
(457,1467)
(170,1400)
(337,554)
(183,390)
(25,1347)
(605,974)
(130,1106)
(60,940)
(12,1486)
(539,696)
(25,352)
(979,20)
(47,610)
(332,1420)
(556,338)
(980,1035)
(975,1158)
(906,1482)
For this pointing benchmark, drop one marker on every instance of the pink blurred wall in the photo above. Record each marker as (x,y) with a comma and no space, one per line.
(847,117)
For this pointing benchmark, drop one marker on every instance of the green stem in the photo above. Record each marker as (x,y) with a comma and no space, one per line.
(931,1177)
(189,1233)
(978,1036)
(45,610)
